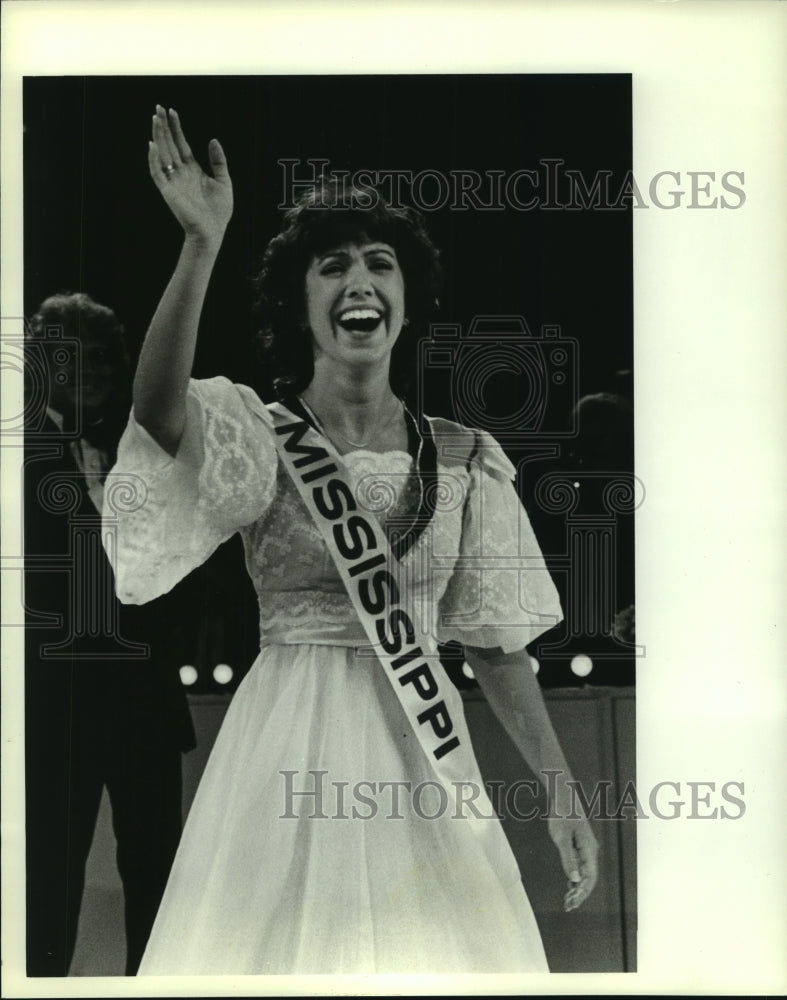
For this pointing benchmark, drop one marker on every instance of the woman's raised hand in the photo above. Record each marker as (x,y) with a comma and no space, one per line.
(202,204)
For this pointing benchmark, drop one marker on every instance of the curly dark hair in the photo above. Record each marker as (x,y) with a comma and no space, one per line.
(328,215)
(76,313)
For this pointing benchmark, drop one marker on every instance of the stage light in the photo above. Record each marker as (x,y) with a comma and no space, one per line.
(535,664)
(188,675)
(581,665)
(467,670)
(222,673)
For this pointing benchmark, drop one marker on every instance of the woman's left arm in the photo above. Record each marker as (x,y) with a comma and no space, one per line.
(510,687)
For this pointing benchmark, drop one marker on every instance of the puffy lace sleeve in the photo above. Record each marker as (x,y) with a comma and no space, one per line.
(500,592)
(165,516)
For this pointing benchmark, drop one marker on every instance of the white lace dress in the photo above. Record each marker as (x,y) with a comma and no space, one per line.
(345,878)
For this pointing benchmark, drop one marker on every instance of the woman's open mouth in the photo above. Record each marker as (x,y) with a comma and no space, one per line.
(359,321)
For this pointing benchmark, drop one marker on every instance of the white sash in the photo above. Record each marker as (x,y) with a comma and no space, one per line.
(408,655)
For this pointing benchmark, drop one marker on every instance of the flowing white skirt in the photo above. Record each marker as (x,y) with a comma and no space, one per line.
(358,875)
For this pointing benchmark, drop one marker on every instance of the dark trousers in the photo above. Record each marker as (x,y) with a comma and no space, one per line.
(69,760)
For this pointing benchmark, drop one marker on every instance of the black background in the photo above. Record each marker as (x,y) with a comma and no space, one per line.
(95,222)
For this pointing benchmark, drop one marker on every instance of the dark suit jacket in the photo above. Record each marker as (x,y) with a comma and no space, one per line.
(105,663)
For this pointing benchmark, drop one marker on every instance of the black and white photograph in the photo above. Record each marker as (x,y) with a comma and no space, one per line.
(482,418)
(339,586)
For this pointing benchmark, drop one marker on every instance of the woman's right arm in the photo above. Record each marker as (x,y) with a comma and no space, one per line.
(203,206)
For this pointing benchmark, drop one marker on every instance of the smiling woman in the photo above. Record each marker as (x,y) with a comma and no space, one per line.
(359,289)
(355,313)
(341,496)
(320,237)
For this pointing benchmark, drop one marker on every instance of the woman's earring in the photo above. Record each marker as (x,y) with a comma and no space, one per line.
(405,322)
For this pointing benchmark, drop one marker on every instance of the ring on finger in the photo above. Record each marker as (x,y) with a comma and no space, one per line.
(169,169)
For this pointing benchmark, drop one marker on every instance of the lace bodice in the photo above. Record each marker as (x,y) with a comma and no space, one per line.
(475,572)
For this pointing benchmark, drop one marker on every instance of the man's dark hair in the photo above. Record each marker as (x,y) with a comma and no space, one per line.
(75,316)
(76,313)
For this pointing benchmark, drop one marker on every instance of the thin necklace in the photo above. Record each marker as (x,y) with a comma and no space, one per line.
(354,444)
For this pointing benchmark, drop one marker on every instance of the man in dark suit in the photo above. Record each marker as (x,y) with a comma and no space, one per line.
(104,706)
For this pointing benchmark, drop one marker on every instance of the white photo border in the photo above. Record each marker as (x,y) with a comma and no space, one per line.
(709,94)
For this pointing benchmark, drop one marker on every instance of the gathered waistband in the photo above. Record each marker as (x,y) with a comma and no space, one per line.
(349,634)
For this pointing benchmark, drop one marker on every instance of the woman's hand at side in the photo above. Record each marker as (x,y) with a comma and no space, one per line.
(509,684)
(578,848)
(201,203)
